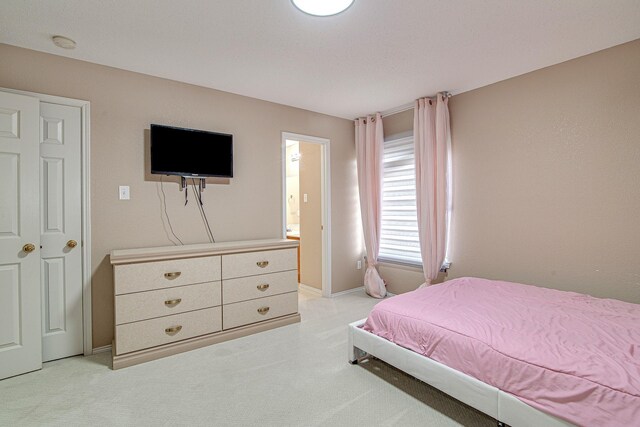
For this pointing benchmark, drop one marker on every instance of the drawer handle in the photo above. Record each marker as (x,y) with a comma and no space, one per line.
(172,302)
(173,330)
(263,310)
(172,275)
(262,264)
(263,287)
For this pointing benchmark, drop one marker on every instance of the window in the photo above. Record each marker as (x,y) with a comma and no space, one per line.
(399,233)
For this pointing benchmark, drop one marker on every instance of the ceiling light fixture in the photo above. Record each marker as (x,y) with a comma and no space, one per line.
(63,42)
(322,7)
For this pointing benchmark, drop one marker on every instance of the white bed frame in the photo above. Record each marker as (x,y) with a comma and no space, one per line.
(502,406)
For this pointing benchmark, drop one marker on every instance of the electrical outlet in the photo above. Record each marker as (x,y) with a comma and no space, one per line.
(124,192)
(359,264)
(305,197)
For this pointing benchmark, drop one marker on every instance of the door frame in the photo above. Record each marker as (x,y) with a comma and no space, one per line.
(85,146)
(325,145)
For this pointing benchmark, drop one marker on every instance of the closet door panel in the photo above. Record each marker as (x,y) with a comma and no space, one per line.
(20,336)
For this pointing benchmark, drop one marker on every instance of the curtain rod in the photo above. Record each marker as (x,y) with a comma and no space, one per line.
(407,106)
(396,110)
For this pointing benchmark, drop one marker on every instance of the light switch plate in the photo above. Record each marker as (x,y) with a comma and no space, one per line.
(305,197)
(123,190)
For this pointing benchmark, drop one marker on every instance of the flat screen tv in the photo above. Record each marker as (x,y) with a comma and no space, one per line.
(191,153)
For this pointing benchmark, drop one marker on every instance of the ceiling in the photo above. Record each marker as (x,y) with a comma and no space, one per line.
(378,55)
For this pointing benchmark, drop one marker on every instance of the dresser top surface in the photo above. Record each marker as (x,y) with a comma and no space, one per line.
(126,256)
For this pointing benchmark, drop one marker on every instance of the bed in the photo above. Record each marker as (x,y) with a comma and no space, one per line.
(525,355)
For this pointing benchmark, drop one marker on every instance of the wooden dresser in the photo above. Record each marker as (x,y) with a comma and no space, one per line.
(177,298)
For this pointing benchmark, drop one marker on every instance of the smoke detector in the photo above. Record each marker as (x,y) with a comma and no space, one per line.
(63,42)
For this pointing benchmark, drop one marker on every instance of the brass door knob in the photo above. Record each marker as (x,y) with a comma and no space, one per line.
(72,244)
(29,247)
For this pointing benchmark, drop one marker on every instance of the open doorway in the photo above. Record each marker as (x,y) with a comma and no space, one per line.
(305,178)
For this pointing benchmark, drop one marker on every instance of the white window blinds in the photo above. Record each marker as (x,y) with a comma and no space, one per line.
(399,234)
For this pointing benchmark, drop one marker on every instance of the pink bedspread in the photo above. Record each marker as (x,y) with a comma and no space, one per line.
(571,355)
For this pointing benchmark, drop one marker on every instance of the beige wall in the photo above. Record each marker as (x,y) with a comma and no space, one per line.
(398,123)
(123,104)
(311,214)
(547,177)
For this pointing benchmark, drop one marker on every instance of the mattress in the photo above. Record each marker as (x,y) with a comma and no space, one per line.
(571,355)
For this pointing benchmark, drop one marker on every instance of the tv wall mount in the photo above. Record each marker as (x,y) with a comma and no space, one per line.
(202,183)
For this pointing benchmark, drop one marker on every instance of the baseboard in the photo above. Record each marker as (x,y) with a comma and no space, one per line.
(316,291)
(102,349)
(348,291)
(358,289)
(310,289)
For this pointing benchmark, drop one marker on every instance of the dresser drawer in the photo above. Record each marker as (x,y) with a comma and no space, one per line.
(254,263)
(148,276)
(150,333)
(264,285)
(165,302)
(257,310)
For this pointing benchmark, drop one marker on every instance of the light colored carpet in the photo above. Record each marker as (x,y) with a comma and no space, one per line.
(297,375)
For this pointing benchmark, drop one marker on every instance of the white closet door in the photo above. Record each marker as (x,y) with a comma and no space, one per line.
(20,333)
(60,226)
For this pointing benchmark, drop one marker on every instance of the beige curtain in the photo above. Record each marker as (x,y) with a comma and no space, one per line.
(431,140)
(369,146)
